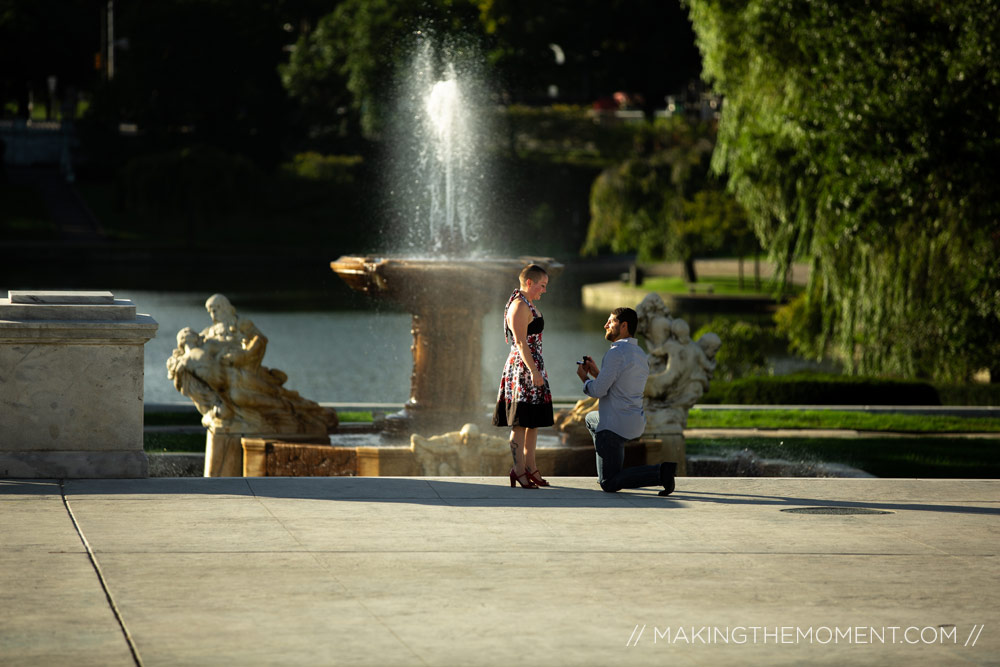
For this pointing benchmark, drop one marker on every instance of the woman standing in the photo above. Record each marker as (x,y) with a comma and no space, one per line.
(524,402)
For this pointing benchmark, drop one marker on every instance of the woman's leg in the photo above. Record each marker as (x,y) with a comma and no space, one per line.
(530,440)
(517,440)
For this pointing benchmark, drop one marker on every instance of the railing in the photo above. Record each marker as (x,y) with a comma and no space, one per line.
(35,143)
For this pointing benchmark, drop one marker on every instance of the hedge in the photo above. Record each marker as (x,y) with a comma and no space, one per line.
(815,389)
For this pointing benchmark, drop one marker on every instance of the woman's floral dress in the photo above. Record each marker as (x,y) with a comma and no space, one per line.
(520,403)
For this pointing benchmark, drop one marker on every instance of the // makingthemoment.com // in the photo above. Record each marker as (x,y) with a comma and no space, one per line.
(790,634)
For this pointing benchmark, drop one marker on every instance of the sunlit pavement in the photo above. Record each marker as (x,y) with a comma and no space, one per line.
(467,571)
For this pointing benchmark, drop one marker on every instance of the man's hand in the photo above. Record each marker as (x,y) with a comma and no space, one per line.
(590,366)
(581,372)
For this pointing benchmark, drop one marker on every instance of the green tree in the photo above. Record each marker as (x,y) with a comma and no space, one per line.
(363,44)
(586,48)
(863,136)
(662,203)
(712,220)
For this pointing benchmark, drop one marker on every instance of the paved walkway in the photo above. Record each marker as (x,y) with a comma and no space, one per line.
(466,571)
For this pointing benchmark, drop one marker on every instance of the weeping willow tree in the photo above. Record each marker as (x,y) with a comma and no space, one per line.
(864,136)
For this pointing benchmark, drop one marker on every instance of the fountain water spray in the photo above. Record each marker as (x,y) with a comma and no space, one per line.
(445,123)
(440,161)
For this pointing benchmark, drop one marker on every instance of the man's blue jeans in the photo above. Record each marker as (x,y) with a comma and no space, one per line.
(610,448)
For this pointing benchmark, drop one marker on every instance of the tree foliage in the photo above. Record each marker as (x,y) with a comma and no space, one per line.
(744,352)
(639,46)
(863,136)
(364,44)
(662,203)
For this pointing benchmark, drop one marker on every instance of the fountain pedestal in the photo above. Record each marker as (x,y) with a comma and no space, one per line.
(447,363)
(448,299)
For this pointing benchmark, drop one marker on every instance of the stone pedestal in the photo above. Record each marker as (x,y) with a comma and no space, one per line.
(666,447)
(386,462)
(403,461)
(71,384)
(224,454)
(227,454)
(264,457)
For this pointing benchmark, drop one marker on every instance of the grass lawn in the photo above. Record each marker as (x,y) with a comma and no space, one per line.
(888,457)
(833,419)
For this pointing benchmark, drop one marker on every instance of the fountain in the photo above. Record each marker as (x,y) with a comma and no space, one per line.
(444,279)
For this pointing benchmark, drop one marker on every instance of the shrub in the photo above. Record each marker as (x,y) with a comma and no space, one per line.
(744,347)
(817,389)
(969,394)
(311,165)
(197,183)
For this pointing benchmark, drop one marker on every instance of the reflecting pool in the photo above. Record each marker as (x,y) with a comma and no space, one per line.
(346,356)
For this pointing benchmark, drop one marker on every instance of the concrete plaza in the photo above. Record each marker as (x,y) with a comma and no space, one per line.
(467,571)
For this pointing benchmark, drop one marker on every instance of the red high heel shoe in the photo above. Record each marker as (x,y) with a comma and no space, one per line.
(536,478)
(514,477)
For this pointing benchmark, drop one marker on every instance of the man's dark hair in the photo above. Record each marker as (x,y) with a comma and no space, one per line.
(629,317)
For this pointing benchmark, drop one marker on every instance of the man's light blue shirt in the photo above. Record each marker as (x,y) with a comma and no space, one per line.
(620,386)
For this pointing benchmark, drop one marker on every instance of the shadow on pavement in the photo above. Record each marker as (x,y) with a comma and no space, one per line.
(490,492)
(787,501)
(486,492)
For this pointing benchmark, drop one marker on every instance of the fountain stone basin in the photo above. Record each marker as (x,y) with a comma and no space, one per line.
(448,299)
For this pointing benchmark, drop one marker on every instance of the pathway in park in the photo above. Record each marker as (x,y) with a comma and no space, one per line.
(467,571)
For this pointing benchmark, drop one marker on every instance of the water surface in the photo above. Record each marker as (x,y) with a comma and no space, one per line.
(343,356)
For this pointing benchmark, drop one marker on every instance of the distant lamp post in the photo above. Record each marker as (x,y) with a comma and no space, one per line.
(111,39)
(50,104)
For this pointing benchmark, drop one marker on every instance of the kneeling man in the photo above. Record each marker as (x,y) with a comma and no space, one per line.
(619,384)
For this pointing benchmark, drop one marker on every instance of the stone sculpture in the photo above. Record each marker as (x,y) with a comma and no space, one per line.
(464,452)
(679,369)
(220,370)
(687,368)
(570,422)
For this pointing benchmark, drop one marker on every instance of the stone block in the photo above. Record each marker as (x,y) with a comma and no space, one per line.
(276,458)
(60,297)
(562,461)
(386,462)
(71,389)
